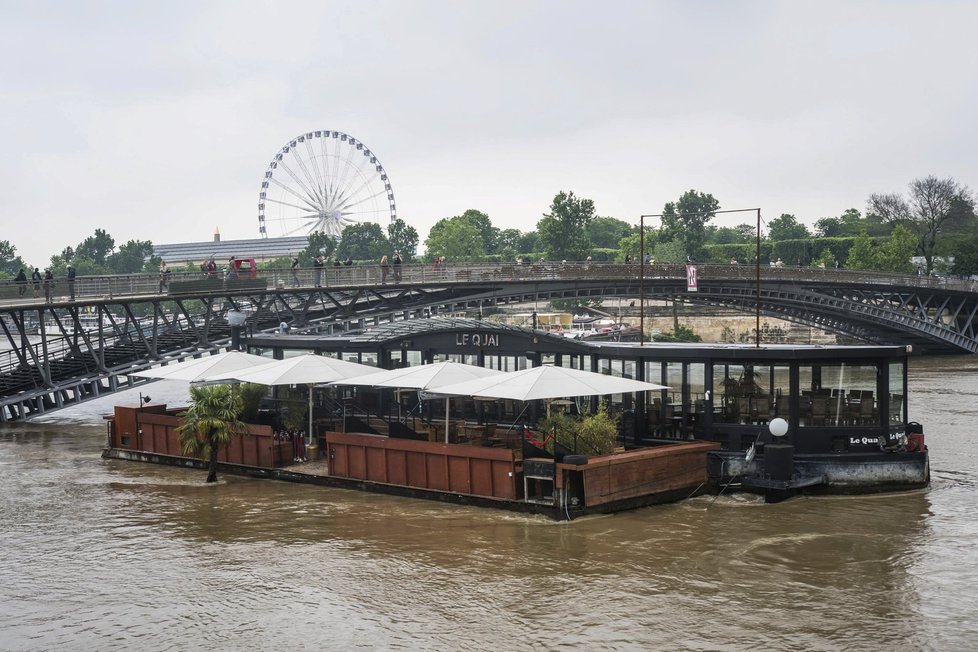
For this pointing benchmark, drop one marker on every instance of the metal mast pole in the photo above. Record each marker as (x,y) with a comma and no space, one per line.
(641,282)
(757,271)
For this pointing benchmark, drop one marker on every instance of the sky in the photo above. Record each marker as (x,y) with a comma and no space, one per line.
(157,121)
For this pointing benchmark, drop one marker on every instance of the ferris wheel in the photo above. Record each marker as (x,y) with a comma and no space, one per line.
(323,181)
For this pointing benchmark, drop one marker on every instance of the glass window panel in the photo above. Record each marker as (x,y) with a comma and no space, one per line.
(896,393)
(836,395)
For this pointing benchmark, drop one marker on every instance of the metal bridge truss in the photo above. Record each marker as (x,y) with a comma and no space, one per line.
(91,346)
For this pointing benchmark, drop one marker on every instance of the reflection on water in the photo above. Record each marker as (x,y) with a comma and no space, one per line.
(116,555)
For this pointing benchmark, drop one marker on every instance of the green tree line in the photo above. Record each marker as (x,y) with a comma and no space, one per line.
(934,222)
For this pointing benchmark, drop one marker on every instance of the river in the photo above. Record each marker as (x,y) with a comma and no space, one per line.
(119,555)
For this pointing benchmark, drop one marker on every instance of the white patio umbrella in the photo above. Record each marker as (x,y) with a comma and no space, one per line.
(309,369)
(424,377)
(544,382)
(202,368)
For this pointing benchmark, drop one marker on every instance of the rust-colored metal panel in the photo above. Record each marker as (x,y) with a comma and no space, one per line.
(643,472)
(376,464)
(428,465)
(481,477)
(339,460)
(397,467)
(357,461)
(459,475)
(125,426)
(436,469)
(415,469)
(503,480)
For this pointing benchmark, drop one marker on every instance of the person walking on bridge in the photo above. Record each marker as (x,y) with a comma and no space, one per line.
(397,266)
(71,282)
(317,264)
(48,284)
(384,267)
(36,281)
(21,282)
(295,272)
(164,276)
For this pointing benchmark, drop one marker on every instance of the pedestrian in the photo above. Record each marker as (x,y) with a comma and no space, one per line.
(837,265)
(396,262)
(71,282)
(36,281)
(232,271)
(384,266)
(164,277)
(48,284)
(348,262)
(211,268)
(21,282)
(295,272)
(317,264)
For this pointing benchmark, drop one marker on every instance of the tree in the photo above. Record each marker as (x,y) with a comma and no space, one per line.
(631,245)
(509,242)
(849,224)
(209,424)
(933,206)
(685,221)
(96,248)
(893,254)
(669,252)
(965,254)
(740,234)
(364,241)
(861,254)
(564,230)
(606,232)
(786,227)
(529,242)
(403,238)
(457,239)
(10,262)
(488,233)
(320,243)
(132,257)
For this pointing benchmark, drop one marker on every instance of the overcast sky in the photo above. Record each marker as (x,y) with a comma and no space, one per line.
(157,121)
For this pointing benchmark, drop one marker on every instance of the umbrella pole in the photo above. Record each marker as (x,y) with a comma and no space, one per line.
(447,405)
(309,435)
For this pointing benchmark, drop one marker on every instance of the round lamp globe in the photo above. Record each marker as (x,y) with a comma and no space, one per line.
(778,427)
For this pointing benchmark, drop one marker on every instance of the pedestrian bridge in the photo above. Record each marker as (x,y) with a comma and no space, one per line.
(60,352)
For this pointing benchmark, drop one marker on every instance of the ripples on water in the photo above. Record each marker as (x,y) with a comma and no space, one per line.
(115,555)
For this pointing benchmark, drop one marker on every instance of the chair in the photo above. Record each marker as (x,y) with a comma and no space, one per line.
(743,410)
(762,409)
(867,411)
(896,408)
(820,410)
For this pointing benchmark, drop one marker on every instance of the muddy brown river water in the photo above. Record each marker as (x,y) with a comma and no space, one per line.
(103,555)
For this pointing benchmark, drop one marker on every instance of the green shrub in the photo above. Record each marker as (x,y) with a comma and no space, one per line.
(252,395)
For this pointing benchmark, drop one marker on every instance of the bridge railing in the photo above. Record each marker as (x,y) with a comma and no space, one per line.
(108,287)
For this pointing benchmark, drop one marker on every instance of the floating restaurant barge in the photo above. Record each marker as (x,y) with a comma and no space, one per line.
(844,408)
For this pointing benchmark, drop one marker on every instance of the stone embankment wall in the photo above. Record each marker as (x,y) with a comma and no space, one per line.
(719,325)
